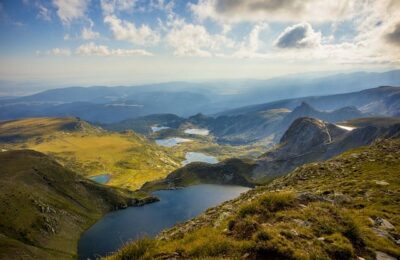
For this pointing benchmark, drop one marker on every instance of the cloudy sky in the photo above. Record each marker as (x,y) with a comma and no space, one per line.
(88,42)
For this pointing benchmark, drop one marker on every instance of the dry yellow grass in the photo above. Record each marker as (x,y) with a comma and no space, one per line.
(130,159)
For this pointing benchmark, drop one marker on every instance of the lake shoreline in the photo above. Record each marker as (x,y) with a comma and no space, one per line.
(175,205)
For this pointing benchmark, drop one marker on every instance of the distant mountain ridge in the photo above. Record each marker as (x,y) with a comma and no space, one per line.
(272,123)
(380,100)
(266,123)
(113,104)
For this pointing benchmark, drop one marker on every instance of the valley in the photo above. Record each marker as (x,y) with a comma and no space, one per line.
(45,207)
(344,208)
(129,159)
(201,160)
(199,129)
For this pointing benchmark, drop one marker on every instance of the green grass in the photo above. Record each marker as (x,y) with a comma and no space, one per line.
(44,207)
(319,211)
(129,158)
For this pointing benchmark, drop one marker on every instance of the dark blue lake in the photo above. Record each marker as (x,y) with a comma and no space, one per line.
(119,227)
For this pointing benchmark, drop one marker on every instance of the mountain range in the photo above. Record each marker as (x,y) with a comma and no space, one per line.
(306,140)
(322,169)
(266,123)
(113,104)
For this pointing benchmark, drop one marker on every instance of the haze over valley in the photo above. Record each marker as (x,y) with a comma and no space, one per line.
(199,129)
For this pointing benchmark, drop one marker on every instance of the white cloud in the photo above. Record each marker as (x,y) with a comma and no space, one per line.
(299,35)
(91,49)
(250,46)
(109,7)
(195,40)
(272,10)
(87,33)
(43,12)
(254,36)
(127,31)
(55,52)
(69,10)
(60,52)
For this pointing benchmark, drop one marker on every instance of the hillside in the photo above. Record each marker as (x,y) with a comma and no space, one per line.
(309,140)
(306,140)
(344,208)
(44,207)
(21,130)
(265,124)
(228,172)
(383,100)
(143,124)
(129,159)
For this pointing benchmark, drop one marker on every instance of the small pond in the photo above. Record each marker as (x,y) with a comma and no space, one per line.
(199,157)
(170,142)
(102,178)
(158,128)
(197,131)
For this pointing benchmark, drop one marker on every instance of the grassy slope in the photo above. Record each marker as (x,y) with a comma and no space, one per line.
(129,158)
(44,207)
(330,210)
(228,172)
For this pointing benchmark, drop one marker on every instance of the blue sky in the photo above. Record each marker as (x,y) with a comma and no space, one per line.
(123,42)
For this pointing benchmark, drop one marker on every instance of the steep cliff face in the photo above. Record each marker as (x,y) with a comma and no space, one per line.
(306,140)
(307,133)
(310,140)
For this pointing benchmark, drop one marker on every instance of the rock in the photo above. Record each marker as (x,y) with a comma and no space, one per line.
(383,223)
(339,198)
(383,256)
(382,183)
(306,197)
(302,222)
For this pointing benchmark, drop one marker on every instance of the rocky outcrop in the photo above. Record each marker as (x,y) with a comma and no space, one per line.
(310,140)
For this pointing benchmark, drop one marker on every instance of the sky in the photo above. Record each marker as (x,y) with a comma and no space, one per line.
(52,43)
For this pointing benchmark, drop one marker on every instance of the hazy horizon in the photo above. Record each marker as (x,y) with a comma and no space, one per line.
(51,44)
(15,89)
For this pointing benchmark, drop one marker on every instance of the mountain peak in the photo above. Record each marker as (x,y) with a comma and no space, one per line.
(305,133)
(304,106)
